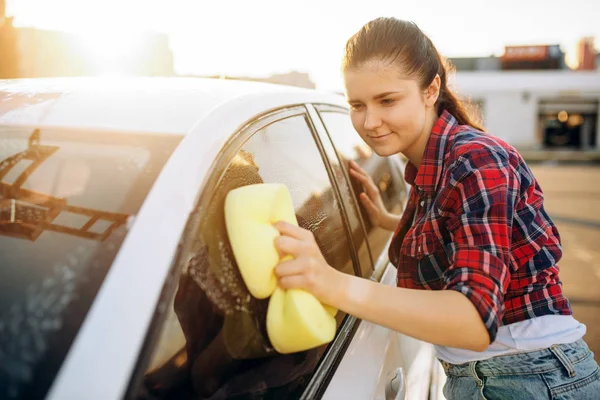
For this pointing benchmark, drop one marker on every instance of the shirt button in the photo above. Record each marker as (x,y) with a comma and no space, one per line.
(422,203)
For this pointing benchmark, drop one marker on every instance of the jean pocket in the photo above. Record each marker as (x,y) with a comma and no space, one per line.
(451,389)
(462,388)
(584,385)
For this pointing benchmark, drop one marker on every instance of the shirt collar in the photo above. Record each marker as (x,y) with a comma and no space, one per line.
(427,176)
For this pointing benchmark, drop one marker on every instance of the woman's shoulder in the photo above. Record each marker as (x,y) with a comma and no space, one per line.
(482,148)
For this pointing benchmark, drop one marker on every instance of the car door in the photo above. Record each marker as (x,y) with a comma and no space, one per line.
(376,356)
(208,338)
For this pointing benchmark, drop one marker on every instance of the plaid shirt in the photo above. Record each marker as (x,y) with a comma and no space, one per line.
(475,223)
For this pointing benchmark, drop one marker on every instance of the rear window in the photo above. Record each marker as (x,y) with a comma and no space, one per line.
(67,200)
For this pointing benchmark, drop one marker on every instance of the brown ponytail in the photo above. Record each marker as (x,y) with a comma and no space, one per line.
(402,42)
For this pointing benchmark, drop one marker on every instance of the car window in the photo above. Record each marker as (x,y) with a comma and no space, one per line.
(357,227)
(67,199)
(213,344)
(385,171)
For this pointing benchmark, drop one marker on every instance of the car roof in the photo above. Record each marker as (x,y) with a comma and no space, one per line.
(141,104)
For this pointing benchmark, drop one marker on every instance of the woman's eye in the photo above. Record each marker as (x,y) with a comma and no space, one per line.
(387,102)
(356,106)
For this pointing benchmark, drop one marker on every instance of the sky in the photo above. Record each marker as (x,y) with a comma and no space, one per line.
(261,37)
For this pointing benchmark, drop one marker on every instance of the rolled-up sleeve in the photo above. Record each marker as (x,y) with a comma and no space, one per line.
(480,200)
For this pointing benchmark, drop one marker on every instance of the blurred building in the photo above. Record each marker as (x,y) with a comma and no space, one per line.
(48,53)
(586,54)
(476,63)
(292,78)
(536,109)
(537,57)
(45,53)
(532,99)
(534,57)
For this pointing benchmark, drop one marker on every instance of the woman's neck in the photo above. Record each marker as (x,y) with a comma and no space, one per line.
(416,151)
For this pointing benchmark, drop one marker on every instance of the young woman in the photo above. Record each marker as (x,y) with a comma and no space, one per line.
(474,233)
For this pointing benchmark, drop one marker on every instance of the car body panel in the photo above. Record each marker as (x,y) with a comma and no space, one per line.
(379,352)
(367,349)
(166,105)
(208,113)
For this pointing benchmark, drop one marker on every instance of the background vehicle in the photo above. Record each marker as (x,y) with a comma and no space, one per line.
(117,278)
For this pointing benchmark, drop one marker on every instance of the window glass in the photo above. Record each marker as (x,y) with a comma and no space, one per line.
(568,129)
(222,350)
(352,210)
(385,171)
(67,199)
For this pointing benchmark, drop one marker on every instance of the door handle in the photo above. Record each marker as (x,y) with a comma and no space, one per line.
(395,388)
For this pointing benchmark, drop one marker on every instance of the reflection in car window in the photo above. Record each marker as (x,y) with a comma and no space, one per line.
(351,206)
(223,350)
(384,171)
(66,201)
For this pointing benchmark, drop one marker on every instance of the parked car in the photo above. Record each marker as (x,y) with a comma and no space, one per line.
(117,279)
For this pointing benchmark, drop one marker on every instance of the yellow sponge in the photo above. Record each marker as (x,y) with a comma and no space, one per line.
(296,320)
(250,212)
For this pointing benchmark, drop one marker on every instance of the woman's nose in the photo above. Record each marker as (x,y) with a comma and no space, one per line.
(372,120)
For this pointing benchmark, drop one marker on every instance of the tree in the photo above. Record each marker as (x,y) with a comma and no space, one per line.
(8,45)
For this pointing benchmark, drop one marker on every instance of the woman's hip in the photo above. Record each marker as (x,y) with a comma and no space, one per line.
(566,371)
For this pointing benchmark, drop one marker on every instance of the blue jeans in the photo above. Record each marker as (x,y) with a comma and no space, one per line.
(560,372)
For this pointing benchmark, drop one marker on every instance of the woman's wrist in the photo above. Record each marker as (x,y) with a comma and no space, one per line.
(345,291)
(390,221)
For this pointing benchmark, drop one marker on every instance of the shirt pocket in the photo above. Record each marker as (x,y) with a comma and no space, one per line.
(421,244)
(429,263)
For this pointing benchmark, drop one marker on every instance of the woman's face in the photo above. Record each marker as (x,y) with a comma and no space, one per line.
(389,110)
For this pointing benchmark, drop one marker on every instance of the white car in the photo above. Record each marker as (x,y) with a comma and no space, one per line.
(117,280)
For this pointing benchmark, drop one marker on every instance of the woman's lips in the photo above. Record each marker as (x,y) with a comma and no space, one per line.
(380,137)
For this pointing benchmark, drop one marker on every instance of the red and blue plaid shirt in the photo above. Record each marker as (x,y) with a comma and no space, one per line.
(475,223)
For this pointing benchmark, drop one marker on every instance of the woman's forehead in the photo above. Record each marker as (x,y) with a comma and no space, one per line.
(371,81)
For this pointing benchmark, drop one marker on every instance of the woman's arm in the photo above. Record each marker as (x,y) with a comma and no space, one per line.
(441,317)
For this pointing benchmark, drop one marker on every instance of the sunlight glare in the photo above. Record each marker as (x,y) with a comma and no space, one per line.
(108,52)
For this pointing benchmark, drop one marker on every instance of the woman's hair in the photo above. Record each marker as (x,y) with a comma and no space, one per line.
(404,44)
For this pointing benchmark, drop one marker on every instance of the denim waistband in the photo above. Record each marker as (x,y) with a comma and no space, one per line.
(530,362)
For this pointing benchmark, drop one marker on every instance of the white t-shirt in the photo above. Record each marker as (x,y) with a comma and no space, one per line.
(532,334)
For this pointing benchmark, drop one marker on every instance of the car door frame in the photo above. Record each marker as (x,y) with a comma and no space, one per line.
(334,354)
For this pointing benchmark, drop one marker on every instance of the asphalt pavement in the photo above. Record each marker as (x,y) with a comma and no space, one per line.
(572,198)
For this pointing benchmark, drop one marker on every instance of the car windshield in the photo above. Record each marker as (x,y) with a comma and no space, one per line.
(67,200)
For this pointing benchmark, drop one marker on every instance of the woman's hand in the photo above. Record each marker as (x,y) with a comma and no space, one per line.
(371,199)
(308,269)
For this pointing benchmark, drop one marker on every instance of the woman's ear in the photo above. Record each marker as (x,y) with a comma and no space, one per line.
(433,91)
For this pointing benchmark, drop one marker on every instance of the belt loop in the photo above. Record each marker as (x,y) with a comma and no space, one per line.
(473,372)
(446,366)
(564,360)
(480,382)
